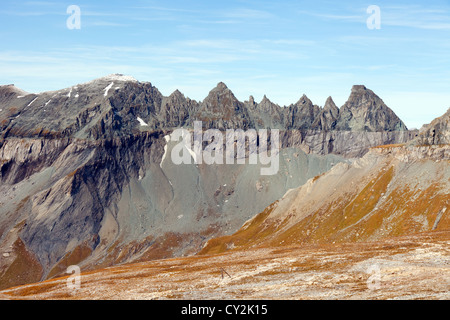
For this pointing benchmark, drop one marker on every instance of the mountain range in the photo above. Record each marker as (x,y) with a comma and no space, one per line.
(85,177)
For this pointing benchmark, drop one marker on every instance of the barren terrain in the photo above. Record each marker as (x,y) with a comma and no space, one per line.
(413,267)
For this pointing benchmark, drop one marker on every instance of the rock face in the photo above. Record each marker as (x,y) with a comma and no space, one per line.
(86,176)
(437,132)
(328,116)
(365,111)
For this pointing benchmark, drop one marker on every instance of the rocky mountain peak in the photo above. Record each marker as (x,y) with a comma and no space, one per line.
(358,88)
(327,118)
(267,106)
(251,101)
(177,94)
(304,100)
(221,109)
(118,77)
(365,111)
(437,132)
(221,87)
(360,96)
(265,100)
(11,88)
(329,104)
(220,94)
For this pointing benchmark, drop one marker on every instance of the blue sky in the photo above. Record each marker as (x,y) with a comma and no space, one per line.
(283,49)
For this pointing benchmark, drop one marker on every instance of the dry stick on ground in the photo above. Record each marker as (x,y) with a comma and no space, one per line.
(222,271)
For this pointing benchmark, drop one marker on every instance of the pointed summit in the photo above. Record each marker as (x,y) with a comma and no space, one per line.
(327,118)
(329,104)
(302,114)
(221,101)
(265,99)
(331,108)
(221,87)
(220,90)
(304,100)
(267,106)
(365,111)
(177,94)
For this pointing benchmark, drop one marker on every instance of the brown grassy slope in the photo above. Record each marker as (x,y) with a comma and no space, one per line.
(24,269)
(411,267)
(377,198)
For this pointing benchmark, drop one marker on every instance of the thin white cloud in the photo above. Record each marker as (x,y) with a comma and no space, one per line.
(246,13)
(100,23)
(165,9)
(343,17)
(42,3)
(31,13)
(417,17)
(410,16)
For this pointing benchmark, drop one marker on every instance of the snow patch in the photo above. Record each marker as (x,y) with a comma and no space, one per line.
(186,146)
(77,95)
(32,102)
(119,77)
(180,216)
(108,88)
(18,97)
(70,93)
(142,122)
(167,138)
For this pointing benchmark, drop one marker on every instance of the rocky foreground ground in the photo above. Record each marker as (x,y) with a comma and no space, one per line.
(410,267)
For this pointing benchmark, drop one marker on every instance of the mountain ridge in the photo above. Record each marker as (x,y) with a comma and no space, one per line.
(364,111)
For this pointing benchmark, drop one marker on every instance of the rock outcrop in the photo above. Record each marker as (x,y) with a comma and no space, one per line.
(435,133)
(365,111)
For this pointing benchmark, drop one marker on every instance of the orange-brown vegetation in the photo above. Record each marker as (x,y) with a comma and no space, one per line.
(410,268)
(76,256)
(389,146)
(24,269)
